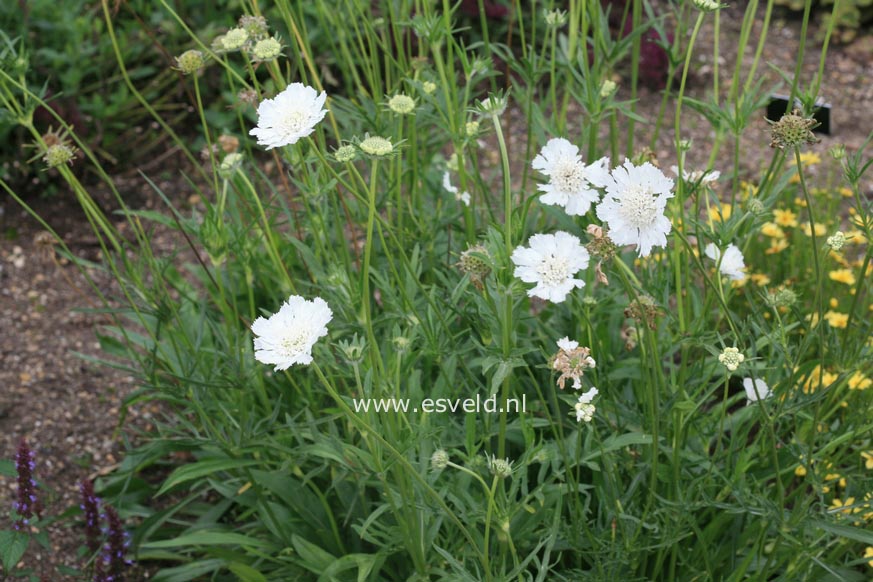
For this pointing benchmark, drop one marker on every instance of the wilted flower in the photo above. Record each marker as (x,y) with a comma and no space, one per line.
(190,62)
(550,262)
(644,310)
(287,337)
(793,130)
(584,409)
(600,244)
(475,261)
(439,460)
(755,391)
(572,184)
(291,115)
(730,263)
(463,197)
(731,358)
(267,49)
(376,146)
(255,26)
(633,207)
(572,361)
(401,104)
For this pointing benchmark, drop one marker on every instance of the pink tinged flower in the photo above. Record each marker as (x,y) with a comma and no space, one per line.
(633,208)
(572,185)
(291,115)
(550,262)
(287,337)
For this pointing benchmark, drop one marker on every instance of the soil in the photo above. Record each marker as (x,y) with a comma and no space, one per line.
(68,408)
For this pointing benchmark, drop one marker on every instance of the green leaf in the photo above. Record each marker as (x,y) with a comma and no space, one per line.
(313,557)
(13,544)
(202,469)
(207,538)
(187,572)
(845,531)
(7,468)
(246,573)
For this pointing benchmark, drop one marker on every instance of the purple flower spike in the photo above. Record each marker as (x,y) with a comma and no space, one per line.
(27,504)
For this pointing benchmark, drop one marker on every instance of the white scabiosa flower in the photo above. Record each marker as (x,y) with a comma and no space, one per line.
(572,184)
(550,261)
(697,176)
(463,197)
(633,207)
(731,264)
(584,409)
(286,337)
(289,116)
(755,391)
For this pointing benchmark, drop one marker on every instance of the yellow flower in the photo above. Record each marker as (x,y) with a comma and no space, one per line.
(842,276)
(833,303)
(807,159)
(859,381)
(784,217)
(720,214)
(800,470)
(855,237)
(772,230)
(777,245)
(844,507)
(747,189)
(838,257)
(846,192)
(868,553)
(868,459)
(812,381)
(760,279)
(836,319)
(820,229)
(800,202)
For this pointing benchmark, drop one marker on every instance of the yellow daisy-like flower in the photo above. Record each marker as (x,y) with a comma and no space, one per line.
(859,381)
(760,279)
(785,217)
(868,459)
(820,229)
(846,192)
(845,276)
(798,201)
(777,245)
(807,159)
(868,553)
(837,319)
(747,189)
(772,230)
(855,237)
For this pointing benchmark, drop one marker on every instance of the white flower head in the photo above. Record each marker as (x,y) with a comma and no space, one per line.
(550,261)
(572,361)
(286,337)
(463,197)
(731,358)
(705,179)
(757,391)
(633,207)
(572,184)
(289,116)
(731,264)
(584,409)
